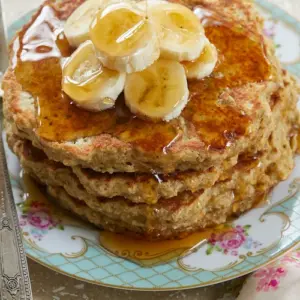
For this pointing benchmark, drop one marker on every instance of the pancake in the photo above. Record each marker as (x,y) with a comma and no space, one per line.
(233,142)
(168,218)
(146,188)
(239,189)
(238,92)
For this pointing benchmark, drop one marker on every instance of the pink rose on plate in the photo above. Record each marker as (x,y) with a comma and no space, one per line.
(232,239)
(40,219)
(228,242)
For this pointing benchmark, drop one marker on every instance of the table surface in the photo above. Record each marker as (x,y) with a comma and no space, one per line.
(49,285)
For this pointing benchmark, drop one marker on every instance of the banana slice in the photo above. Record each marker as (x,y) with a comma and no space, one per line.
(204,65)
(159,92)
(182,35)
(126,40)
(77,25)
(88,83)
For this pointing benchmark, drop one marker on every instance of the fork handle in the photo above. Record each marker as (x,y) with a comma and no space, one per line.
(14,275)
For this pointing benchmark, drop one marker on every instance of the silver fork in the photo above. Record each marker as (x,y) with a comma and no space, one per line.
(14,275)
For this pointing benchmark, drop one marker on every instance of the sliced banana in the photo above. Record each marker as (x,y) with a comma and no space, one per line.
(204,65)
(182,35)
(126,40)
(159,92)
(88,83)
(77,25)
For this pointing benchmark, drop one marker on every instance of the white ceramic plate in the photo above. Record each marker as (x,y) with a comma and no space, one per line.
(69,246)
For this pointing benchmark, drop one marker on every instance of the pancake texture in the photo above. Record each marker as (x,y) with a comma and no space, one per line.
(218,159)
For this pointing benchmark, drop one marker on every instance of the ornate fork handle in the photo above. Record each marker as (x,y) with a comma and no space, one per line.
(14,275)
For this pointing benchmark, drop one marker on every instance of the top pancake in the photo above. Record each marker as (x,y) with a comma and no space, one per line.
(228,112)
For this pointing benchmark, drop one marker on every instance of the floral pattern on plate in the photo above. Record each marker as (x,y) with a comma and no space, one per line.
(231,240)
(36,216)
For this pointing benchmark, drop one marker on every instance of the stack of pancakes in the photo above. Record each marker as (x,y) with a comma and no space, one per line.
(188,184)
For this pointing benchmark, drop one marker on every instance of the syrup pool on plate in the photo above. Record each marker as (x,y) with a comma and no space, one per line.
(142,252)
(145,253)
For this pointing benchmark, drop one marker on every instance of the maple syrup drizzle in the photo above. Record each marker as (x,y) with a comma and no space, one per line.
(41,45)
